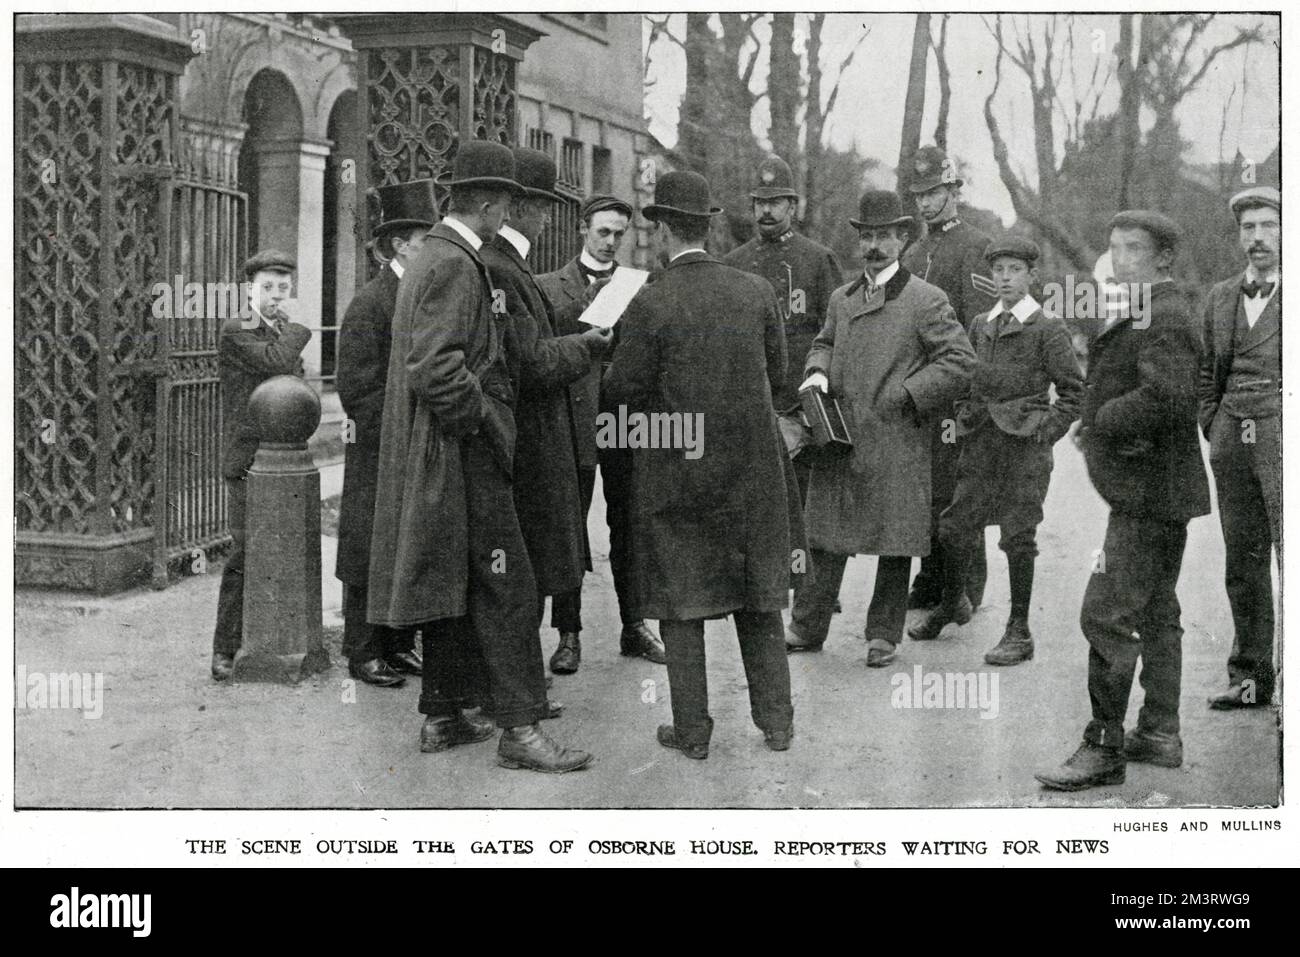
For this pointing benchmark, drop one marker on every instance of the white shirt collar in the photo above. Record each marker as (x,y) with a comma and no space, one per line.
(1022,310)
(258,313)
(693,249)
(884,275)
(1252,275)
(592,263)
(469,235)
(397,268)
(515,238)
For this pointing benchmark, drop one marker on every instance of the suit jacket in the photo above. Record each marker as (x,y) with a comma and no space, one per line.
(1009,383)
(364,343)
(1218,333)
(546,458)
(565,288)
(1139,413)
(713,532)
(447,379)
(951,259)
(896,360)
(247,358)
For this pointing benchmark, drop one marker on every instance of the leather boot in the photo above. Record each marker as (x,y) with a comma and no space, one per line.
(929,627)
(667,736)
(528,746)
(1089,767)
(1017,645)
(1154,747)
(568,655)
(441,733)
(222,666)
(637,640)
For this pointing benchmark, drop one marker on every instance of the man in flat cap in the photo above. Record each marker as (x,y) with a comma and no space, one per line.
(547,496)
(893,354)
(702,344)
(454,562)
(1138,433)
(604,222)
(951,256)
(1241,415)
(376,654)
(250,351)
(1008,425)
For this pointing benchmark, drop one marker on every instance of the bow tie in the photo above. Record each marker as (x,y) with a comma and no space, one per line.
(1257,288)
(594,275)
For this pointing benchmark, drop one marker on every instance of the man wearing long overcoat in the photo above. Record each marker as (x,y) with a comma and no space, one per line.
(702,346)
(893,354)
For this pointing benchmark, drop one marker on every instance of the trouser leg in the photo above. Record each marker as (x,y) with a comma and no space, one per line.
(566,608)
(888,611)
(616,479)
(1161,629)
(814,600)
(228,634)
(362,641)
(767,668)
(688,687)
(452,677)
(943,483)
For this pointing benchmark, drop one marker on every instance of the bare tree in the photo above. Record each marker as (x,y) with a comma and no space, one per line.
(783,87)
(816,115)
(914,102)
(945,84)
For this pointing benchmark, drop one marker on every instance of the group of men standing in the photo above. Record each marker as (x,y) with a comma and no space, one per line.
(474,386)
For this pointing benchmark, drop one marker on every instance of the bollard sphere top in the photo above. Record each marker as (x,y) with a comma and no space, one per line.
(284,410)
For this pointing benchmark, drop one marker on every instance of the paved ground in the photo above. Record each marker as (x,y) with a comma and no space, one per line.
(169,736)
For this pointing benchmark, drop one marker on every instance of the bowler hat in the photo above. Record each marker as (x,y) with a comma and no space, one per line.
(878,208)
(774,180)
(931,167)
(268,260)
(1017,247)
(483,163)
(535,172)
(1162,229)
(406,206)
(683,193)
(600,202)
(1253,197)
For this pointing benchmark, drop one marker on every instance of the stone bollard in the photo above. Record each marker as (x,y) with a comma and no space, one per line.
(282,588)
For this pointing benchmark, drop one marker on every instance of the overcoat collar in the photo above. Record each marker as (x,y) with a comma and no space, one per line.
(863,304)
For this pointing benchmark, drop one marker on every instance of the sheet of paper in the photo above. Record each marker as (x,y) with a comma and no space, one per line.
(612,300)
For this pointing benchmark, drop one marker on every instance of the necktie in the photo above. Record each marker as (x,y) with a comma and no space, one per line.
(1257,289)
(593,275)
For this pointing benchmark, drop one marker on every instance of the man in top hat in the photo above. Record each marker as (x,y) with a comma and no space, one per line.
(547,497)
(447,554)
(1241,415)
(604,222)
(892,352)
(1008,425)
(1138,432)
(951,256)
(250,351)
(376,654)
(703,342)
(803,273)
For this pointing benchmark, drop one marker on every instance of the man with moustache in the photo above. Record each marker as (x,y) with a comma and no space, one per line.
(951,256)
(1241,416)
(447,554)
(1138,433)
(547,497)
(892,352)
(376,654)
(604,223)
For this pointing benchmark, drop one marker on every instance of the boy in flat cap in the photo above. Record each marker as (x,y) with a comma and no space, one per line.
(1138,433)
(250,351)
(1008,426)
(1241,415)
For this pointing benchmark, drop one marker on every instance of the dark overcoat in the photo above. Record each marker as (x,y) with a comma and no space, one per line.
(951,256)
(713,533)
(1139,412)
(447,378)
(546,470)
(896,360)
(363,347)
(247,358)
(566,287)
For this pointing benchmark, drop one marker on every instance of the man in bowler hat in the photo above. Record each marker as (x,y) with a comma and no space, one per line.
(704,341)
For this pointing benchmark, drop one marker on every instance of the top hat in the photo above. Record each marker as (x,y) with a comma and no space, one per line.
(599,203)
(535,172)
(405,205)
(1253,197)
(683,193)
(483,163)
(774,180)
(270,260)
(879,208)
(930,168)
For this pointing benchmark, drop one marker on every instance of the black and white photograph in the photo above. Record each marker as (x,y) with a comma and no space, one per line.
(689,410)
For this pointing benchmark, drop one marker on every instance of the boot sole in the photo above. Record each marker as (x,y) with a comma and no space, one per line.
(448,745)
(563,671)
(514,765)
(1113,778)
(1152,759)
(1008,664)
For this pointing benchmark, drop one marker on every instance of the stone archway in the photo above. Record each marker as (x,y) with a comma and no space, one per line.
(341,207)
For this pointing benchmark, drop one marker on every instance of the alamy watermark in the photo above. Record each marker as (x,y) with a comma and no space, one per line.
(1089,299)
(946,690)
(66,691)
(651,430)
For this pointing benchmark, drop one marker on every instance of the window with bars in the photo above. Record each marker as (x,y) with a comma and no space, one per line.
(560,241)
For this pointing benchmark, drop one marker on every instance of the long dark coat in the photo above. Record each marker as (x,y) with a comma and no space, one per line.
(902,341)
(1139,413)
(364,343)
(951,257)
(713,533)
(566,287)
(447,378)
(546,471)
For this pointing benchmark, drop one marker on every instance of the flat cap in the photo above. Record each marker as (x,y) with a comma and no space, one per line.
(1016,247)
(1255,196)
(1163,229)
(600,203)
(268,260)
